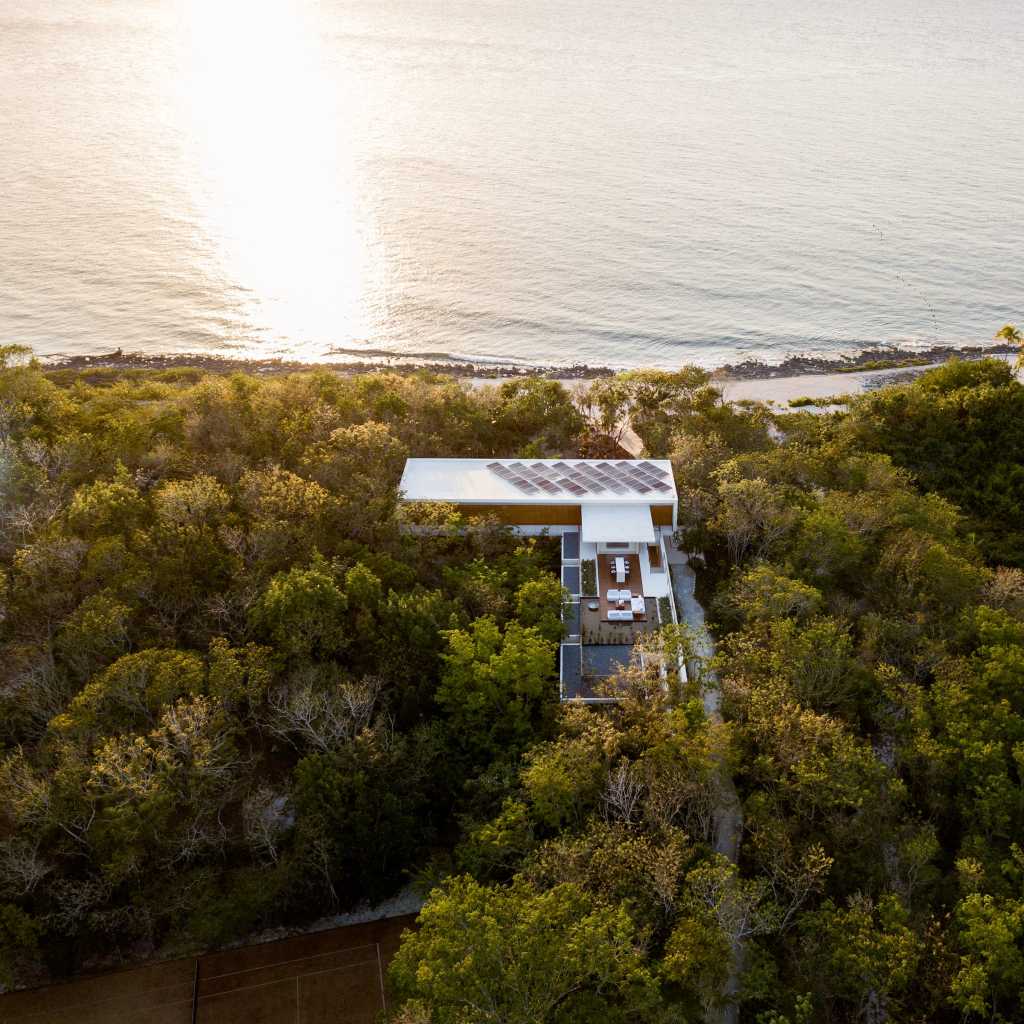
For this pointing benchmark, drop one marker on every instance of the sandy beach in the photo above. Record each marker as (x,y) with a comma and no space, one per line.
(795,378)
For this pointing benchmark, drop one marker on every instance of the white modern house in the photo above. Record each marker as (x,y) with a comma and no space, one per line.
(614,517)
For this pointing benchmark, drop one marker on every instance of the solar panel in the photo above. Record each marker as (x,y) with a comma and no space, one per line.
(579,478)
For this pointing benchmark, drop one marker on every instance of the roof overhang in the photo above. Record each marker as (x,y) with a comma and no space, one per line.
(617,524)
(542,482)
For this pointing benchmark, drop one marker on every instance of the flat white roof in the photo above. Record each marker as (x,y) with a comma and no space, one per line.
(603,524)
(614,482)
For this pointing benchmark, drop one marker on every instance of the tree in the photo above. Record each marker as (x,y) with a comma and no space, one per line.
(865,954)
(19,944)
(322,714)
(765,592)
(563,779)
(959,429)
(198,501)
(133,691)
(367,797)
(1011,334)
(516,955)
(107,506)
(302,612)
(538,602)
(160,795)
(990,978)
(619,863)
(495,686)
(362,464)
(542,412)
(752,516)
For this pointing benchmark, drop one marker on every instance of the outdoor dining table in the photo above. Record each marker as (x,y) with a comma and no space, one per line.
(620,569)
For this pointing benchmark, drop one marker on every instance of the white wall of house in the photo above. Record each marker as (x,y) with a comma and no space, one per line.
(617,549)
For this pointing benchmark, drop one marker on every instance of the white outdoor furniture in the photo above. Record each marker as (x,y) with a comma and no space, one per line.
(620,615)
(638,605)
(613,596)
(620,570)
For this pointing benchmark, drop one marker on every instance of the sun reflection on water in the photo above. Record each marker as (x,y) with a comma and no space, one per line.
(276,186)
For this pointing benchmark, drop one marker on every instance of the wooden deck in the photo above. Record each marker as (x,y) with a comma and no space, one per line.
(606,581)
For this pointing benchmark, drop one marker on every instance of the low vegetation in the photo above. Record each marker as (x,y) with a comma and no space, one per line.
(822,402)
(884,364)
(588,573)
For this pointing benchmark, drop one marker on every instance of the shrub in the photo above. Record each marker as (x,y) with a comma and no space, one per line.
(588,577)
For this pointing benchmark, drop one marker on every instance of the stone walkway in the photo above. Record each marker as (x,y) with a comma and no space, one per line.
(728,814)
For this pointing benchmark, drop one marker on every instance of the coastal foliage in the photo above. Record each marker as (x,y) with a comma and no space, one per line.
(233,691)
(236,693)
(870,624)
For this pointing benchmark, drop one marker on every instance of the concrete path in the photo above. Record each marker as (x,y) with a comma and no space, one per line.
(684,585)
(728,817)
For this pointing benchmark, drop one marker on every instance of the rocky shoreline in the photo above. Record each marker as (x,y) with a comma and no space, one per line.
(884,358)
(121,360)
(868,359)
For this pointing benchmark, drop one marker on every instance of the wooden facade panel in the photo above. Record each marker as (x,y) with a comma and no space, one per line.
(529,515)
(549,515)
(661,515)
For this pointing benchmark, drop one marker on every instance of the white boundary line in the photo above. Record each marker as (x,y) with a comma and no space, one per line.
(281,981)
(284,963)
(380,974)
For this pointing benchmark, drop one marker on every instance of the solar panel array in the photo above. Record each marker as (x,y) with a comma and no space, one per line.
(580,478)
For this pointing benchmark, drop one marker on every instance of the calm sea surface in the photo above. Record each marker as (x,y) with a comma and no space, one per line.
(642,183)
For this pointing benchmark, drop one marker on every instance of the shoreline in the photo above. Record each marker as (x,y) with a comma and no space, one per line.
(881,361)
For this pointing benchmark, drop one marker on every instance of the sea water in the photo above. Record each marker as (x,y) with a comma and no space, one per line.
(537,181)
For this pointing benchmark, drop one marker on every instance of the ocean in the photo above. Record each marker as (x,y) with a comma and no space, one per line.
(583,181)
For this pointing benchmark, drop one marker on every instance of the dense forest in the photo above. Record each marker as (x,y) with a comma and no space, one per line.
(236,692)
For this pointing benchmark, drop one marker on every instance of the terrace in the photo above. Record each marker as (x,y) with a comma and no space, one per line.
(602,624)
